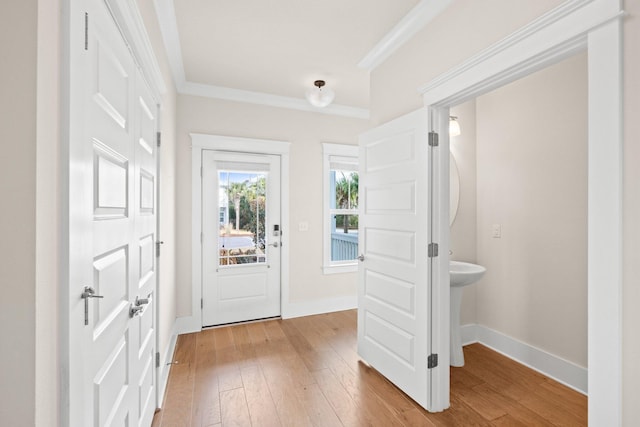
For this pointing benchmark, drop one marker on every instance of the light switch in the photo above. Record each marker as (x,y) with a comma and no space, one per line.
(496,231)
(303,226)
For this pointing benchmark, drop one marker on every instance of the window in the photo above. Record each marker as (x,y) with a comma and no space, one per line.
(242,198)
(340,208)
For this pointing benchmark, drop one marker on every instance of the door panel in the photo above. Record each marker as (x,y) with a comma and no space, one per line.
(393,292)
(241,254)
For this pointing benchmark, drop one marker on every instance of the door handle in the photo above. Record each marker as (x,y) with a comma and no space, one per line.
(134,310)
(138,306)
(274,244)
(89,292)
(361,257)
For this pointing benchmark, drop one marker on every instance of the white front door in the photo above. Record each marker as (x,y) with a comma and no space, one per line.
(241,237)
(394,316)
(112,230)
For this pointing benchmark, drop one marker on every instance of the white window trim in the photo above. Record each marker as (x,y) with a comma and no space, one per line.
(329,149)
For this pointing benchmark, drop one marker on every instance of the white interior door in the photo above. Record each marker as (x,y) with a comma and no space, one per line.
(241,237)
(394,318)
(112,231)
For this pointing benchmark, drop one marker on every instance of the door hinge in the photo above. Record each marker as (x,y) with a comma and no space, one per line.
(158,243)
(86,31)
(433,250)
(157,359)
(201,303)
(433,139)
(158,138)
(201,171)
(432,361)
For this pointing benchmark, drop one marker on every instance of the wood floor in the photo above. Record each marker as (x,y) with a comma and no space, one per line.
(305,372)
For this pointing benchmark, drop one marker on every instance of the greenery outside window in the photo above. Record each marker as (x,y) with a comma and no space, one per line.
(340,208)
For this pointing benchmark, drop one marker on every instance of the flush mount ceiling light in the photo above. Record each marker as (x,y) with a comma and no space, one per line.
(320,97)
(454,126)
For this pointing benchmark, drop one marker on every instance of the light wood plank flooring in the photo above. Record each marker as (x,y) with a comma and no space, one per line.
(305,372)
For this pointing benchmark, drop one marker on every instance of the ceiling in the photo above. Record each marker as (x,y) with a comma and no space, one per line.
(271,51)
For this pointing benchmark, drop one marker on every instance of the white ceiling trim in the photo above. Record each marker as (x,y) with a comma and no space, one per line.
(260,98)
(169,28)
(403,31)
(166,14)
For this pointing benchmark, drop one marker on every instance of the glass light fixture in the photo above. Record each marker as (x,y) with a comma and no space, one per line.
(319,97)
(454,126)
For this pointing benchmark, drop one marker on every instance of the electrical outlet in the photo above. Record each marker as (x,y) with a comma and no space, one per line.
(496,231)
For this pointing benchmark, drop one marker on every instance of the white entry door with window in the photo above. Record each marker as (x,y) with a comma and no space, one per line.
(241,237)
(110,365)
(394,291)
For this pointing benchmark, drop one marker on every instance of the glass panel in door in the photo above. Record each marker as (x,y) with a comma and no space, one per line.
(242,201)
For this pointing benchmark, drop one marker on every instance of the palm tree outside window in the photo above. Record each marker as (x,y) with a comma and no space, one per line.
(343,209)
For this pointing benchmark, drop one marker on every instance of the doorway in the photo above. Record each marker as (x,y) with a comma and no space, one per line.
(241,237)
(596,30)
(251,157)
(523,216)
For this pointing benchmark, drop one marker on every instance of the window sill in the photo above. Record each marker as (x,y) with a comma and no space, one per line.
(342,268)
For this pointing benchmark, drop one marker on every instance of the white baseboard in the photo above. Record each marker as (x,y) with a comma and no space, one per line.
(328,305)
(554,367)
(165,367)
(167,357)
(187,325)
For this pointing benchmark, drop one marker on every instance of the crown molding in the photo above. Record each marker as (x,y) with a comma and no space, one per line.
(166,15)
(417,18)
(260,98)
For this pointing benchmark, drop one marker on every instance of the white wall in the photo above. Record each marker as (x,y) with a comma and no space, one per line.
(631,272)
(18,38)
(532,180)
(305,131)
(463,29)
(47,208)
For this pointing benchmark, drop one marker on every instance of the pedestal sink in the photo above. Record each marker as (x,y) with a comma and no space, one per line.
(461,274)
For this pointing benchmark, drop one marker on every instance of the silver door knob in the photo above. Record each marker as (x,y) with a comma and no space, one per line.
(141,301)
(274,244)
(134,310)
(89,292)
(361,257)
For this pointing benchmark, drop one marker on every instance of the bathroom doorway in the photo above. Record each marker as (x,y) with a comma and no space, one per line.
(522,157)
(598,33)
